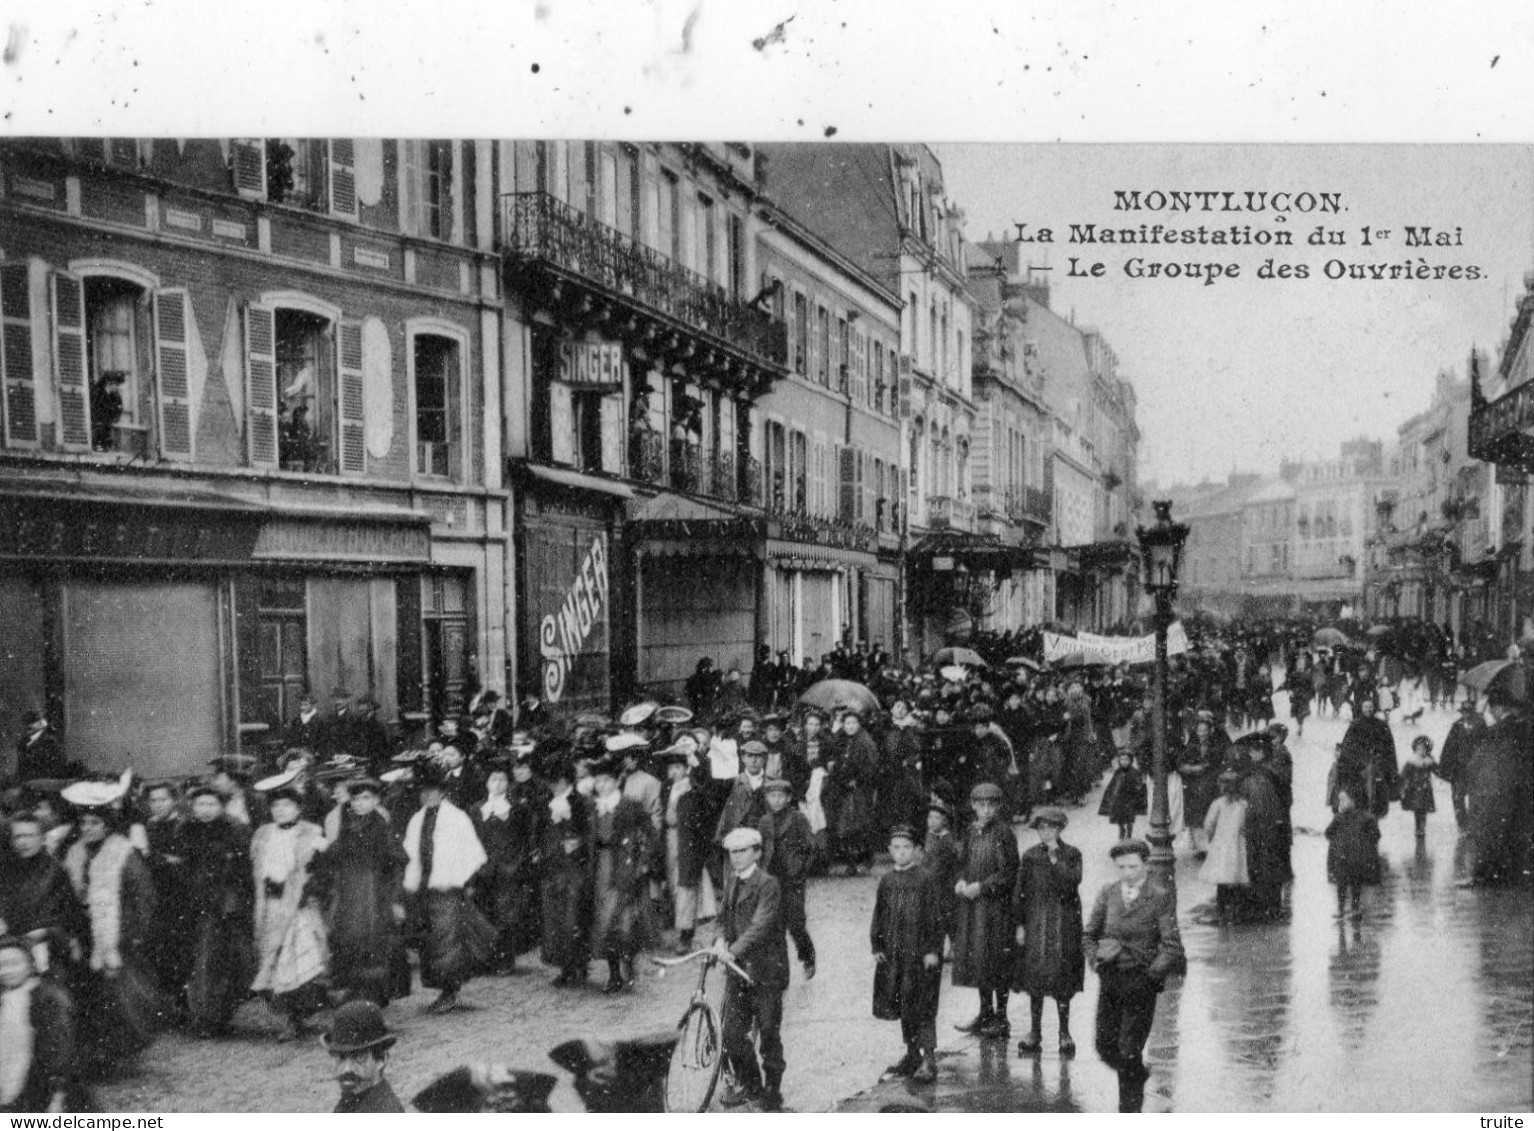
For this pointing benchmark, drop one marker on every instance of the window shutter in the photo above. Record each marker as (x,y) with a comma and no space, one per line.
(16,356)
(561,423)
(847,466)
(261,385)
(349,396)
(69,361)
(171,318)
(247,164)
(410,174)
(868,483)
(343,177)
(612,433)
(457,433)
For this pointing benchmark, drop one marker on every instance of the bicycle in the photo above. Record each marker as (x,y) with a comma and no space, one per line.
(698,1056)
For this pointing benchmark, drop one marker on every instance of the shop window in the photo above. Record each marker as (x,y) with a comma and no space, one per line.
(438,378)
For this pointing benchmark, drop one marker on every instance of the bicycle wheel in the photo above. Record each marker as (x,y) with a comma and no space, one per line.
(695,1061)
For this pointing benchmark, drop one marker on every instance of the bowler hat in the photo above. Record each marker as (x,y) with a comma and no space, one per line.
(1048,815)
(358,1026)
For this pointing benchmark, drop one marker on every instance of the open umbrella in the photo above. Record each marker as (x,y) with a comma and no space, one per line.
(829,694)
(958,656)
(1510,675)
(1331,638)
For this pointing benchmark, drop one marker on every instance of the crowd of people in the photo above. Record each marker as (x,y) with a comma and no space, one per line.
(127,906)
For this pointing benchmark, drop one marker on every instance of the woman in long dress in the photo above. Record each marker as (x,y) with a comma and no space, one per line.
(1224,827)
(219,896)
(1050,961)
(623,842)
(565,877)
(290,934)
(357,879)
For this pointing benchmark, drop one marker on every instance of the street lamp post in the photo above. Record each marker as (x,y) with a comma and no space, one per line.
(1161,555)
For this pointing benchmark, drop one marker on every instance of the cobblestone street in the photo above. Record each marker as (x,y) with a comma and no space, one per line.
(1425,1005)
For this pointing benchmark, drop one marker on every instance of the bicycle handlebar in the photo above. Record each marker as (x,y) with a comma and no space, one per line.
(711,957)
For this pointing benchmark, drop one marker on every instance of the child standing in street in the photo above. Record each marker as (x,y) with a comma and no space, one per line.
(1352,852)
(940,857)
(1417,782)
(1226,864)
(907,940)
(1125,796)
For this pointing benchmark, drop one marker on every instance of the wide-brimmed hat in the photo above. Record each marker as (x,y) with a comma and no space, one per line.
(638,713)
(1048,815)
(624,742)
(358,1026)
(277,781)
(673,716)
(97,794)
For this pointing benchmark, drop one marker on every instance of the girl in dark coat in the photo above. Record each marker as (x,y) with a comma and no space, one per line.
(1417,782)
(982,942)
(853,772)
(1352,852)
(1125,796)
(1199,767)
(566,883)
(907,941)
(1266,829)
(357,878)
(1367,765)
(1050,961)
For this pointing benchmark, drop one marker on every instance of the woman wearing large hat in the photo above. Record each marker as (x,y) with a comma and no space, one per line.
(623,841)
(117,1002)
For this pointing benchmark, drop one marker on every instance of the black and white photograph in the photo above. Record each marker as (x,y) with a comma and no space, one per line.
(603,605)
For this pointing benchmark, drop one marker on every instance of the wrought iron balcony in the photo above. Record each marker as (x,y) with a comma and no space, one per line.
(647,455)
(750,486)
(1028,504)
(723,483)
(684,467)
(541,229)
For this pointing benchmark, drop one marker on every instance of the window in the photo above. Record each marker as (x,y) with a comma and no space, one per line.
(305,391)
(738,259)
(670,221)
(823,345)
(112,313)
(438,396)
(628,178)
(437,191)
(800,472)
(843,356)
(704,248)
(314,173)
(608,204)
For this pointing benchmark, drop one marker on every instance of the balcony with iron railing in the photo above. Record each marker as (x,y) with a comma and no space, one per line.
(647,455)
(1028,504)
(542,230)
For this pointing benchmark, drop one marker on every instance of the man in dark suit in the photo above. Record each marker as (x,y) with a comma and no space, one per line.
(307,730)
(1133,943)
(38,754)
(751,935)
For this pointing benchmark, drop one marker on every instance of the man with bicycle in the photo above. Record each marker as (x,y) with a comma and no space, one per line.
(751,934)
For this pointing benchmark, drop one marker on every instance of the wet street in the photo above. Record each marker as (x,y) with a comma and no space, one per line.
(1424,1005)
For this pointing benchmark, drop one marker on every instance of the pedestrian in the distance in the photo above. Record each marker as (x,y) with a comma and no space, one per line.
(1352,852)
(1417,782)
(1226,866)
(1124,797)
(1133,943)
(565,886)
(983,929)
(1050,961)
(1454,764)
(907,940)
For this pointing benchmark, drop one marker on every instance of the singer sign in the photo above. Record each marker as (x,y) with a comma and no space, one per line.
(564,632)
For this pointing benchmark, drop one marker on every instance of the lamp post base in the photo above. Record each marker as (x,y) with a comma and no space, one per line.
(1163,864)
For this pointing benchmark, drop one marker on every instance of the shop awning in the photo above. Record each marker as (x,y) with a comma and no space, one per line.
(949,549)
(129,522)
(562,477)
(806,555)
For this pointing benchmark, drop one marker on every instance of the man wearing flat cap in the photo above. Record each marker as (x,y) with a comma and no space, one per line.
(751,935)
(788,850)
(359,1044)
(746,803)
(1132,941)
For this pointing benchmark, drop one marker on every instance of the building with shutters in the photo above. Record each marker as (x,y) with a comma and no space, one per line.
(1011,465)
(884,207)
(251,437)
(637,348)
(832,469)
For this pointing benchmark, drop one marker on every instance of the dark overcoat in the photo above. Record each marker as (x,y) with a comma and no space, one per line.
(983,927)
(1048,908)
(907,926)
(751,923)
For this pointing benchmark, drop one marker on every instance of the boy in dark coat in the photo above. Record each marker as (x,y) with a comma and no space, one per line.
(788,849)
(982,939)
(1125,796)
(907,941)
(940,857)
(1352,852)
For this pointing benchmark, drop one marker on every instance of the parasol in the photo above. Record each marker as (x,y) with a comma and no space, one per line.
(829,694)
(958,656)
(1510,675)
